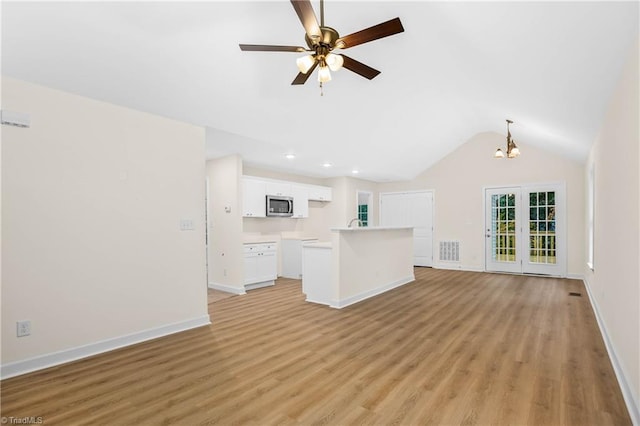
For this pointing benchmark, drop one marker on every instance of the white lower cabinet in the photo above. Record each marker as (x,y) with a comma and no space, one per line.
(260,265)
(292,256)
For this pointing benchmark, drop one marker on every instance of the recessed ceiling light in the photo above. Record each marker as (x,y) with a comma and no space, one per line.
(355,172)
(290,156)
(327,165)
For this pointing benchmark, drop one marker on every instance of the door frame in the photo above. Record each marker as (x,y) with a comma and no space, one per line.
(369,195)
(523,247)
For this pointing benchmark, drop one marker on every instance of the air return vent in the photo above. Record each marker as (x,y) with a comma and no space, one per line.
(450,251)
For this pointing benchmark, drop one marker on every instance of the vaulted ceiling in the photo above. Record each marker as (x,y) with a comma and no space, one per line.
(460,68)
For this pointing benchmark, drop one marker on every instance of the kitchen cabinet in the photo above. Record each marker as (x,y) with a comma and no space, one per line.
(319,193)
(279,188)
(300,201)
(260,265)
(253,197)
(255,190)
(292,256)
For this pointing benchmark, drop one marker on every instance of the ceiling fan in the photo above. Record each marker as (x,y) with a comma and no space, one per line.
(322,40)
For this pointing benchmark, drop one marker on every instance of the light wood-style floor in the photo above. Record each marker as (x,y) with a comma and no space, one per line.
(217,295)
(450,348)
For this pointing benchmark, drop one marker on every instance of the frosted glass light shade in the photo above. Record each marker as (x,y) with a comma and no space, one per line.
(305,63)
(334,61)
(324,75)
(498,154)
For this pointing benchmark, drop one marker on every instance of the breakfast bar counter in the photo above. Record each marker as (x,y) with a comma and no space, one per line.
(357,264)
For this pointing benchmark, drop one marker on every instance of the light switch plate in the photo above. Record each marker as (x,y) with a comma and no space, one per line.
(23,328)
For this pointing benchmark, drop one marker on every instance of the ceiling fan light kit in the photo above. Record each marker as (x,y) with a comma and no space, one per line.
(512,148)
(305,63)
(322,40)
(323,73)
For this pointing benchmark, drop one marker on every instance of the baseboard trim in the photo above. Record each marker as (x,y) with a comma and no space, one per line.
(457,267)
(18,368)
(576,277)
(227,288)
(633,405)
(342,303)
(261,284)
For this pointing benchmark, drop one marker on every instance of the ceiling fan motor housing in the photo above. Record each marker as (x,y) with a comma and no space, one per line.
(328,39)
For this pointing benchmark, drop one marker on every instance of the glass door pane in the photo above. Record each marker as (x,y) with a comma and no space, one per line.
(502,230)
(544,230)
(542,227)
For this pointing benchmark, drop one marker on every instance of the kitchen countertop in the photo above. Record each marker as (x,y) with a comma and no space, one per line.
(322,245)
(370,228)
(299,238)
(257,239)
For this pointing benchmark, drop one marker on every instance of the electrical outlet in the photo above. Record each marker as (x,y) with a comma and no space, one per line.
(23,328)
(186,225)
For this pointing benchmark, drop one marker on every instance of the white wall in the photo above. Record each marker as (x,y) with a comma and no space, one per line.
(225,228)
(93,195)
(458,181)
(614,283)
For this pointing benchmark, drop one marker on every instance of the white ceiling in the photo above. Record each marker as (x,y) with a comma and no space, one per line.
(458,69)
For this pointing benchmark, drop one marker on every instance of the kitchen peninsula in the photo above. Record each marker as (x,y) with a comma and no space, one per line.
(357,264)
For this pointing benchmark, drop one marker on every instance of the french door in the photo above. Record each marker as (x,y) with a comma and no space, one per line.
(525,229)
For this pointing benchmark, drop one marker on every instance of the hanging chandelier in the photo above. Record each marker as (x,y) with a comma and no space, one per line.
(512,148)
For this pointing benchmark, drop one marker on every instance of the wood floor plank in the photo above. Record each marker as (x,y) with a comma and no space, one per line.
(450,348)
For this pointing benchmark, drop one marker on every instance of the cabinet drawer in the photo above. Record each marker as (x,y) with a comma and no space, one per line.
(268,247)
(260,248)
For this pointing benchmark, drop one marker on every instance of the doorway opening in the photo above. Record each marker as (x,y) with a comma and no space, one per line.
(364,201)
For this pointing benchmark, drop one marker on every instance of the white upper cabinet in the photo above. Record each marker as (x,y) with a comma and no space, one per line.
(253,197)
(255,190)
(279,188)
(300,201)
(319,193)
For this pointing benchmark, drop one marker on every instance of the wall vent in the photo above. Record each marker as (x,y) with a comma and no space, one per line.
(450,251)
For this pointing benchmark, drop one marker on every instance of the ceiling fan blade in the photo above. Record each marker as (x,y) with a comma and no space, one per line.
(302,78)
(308,18)
(385,29)
(359,68)
(271,48)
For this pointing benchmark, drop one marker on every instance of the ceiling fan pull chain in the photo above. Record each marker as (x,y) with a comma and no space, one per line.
(321,91)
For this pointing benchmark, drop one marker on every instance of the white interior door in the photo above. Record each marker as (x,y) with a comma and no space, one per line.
(413,209)
(525,229)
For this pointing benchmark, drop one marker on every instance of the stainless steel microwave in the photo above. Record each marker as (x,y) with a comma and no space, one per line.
(277,205)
